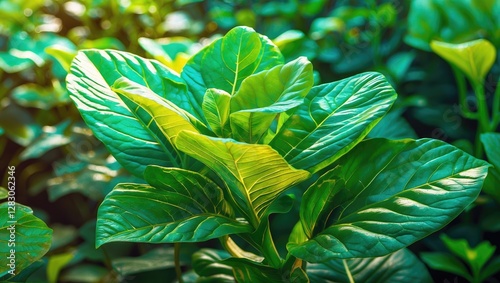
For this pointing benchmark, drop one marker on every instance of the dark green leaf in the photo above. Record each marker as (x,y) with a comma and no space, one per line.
(401,266)
(183,206)
(374,208)
(446,262)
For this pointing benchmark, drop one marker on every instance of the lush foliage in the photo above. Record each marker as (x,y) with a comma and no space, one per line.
(282,172)
(220,145)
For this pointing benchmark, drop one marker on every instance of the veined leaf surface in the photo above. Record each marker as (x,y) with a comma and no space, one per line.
(334,118)
(182,206)
(262,96)
(91,76)
(383,196)
(226,62)
(255,174)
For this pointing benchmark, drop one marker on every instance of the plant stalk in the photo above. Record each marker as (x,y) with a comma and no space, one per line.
(462,94)
(177,260)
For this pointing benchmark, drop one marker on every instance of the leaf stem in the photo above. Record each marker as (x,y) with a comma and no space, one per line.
(462,94)
(496,108)
(482,107)
(177,260)
(348,271)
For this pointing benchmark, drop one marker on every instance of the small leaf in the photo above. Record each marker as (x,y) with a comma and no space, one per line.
(183,206)
(401,266)
(446,262)
(247,271)
(31,242)
(3,193)
(160,258)
(207,264)
(255,174)
(216,108)
(491,142)
(474,58)
(335,117)
(475,257)
(56,264)
(375,208)
(34,95)
(52,137)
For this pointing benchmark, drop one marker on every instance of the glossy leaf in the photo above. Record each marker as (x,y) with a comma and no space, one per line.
(401,266)
(160,117)
(207,264)
(262,96)
(32,237)
(183,206)
(247,271)
(226,62)
(255,174)
(334,118)
(474,58)
(375,208)
(91,75)
(216,107)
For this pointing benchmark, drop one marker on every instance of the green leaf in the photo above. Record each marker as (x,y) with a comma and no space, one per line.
(160,258)
(375,208)
(335,117)
(85,273)
(491,142)
(56,263)
(446,262)
(183,206)
(475,257)
(393,126)
(207,264)
(474,58)
(32,238)
(226,62)
(34,95)
(23,129)
(401,266)
(255,174)
(63,55)
(52,137)
(91,75)
(262,96)
(216,107)
(491,268)
(247,271)
(163,119)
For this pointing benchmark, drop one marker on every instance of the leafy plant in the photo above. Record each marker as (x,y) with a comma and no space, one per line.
(481,265)
(231,142)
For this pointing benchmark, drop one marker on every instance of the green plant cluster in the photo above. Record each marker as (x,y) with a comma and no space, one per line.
(227,157)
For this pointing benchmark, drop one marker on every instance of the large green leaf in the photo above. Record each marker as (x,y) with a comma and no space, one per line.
(183,206)
(226,62)
(163,119)
(262,96)
(91,75)
(24,237)
(401,266)
(383,196)
(255,174)
(474,58)
(334,118)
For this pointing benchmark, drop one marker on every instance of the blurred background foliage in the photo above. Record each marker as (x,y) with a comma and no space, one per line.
(63,172)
